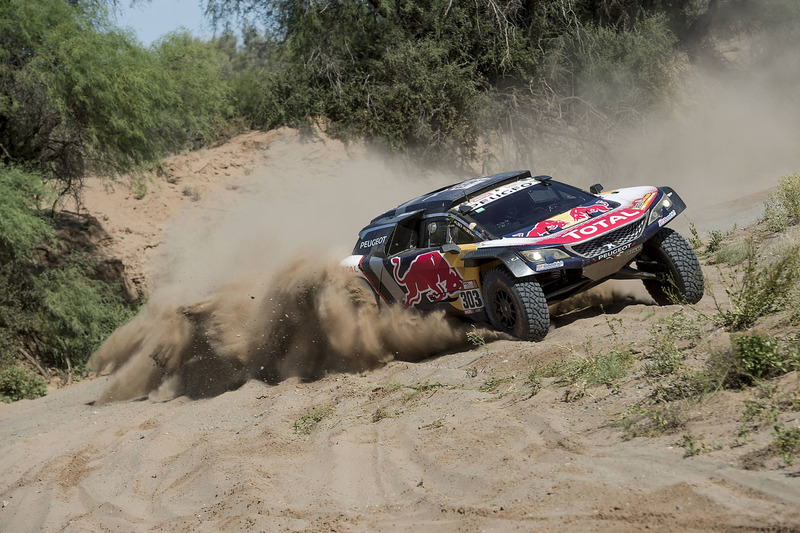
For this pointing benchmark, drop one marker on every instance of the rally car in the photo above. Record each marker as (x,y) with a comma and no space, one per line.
(501,248)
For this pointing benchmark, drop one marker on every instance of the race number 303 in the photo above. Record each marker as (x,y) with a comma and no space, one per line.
(471,301)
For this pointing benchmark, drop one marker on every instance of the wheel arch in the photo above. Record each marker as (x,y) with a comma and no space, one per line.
(488,258)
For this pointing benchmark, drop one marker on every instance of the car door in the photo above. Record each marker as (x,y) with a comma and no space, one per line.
(416,271)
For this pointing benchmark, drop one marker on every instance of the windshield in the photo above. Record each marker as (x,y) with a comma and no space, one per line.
(510,214)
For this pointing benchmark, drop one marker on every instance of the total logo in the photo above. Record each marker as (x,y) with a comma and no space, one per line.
(590,228)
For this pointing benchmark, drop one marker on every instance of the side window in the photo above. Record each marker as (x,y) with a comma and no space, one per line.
(460,236)
(404,237)
(435,232)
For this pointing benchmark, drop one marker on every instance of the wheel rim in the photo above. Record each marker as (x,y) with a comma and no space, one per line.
(506,309)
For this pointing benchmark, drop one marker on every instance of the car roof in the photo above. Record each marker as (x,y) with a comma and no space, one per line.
(441,200)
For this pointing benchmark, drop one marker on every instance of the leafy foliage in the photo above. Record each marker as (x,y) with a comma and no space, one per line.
(601,369)
(782,208)
(21,225)
(763,357)
(433,75)
(75,314)
(17,384)
(77,94)
(786,443)
(764,287)
(58,312)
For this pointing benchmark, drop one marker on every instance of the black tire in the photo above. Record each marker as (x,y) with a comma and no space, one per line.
(668,254)
(516,306)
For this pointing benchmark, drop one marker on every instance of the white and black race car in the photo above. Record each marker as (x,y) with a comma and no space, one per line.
(502,248)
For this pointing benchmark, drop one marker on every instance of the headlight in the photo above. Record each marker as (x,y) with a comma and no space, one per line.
(543,255)
(655,214)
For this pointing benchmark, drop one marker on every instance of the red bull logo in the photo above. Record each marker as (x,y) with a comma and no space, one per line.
(585,211)
(428,275)
(577,214)
(546,226)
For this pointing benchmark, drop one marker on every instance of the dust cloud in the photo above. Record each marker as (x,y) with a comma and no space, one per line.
(251,288)
(609,293)
(729,130)
(312,319)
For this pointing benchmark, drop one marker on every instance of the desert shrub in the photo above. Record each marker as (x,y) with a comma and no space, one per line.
(18,384)
(764,409)
(306,423)
(750,357)
(786,443)
(716,239)
(603,369)
(731,252)
(664,358)
(763,356)
(74,314)
(763,288)
(686,385)
(652,420)
(782,208)
(680,325)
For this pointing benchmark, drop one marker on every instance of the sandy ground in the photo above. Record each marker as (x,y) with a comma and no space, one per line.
(455,442)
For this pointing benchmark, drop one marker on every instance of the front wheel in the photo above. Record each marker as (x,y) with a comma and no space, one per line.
(669,256)
(516,306)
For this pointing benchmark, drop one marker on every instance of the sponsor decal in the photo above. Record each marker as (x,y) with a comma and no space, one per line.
(622,250)
(644,201)
(373,242)
(586,211)
(576,214)
(590,228)
(672,214)
(469,183)
(541,267)
(544,227)
(470,284)
(501,192)
(471,301)
(428,275)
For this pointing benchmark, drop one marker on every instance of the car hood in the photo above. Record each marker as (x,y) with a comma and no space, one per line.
(611,211)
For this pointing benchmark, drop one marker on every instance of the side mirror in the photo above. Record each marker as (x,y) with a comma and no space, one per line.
(450,248)
(596,188)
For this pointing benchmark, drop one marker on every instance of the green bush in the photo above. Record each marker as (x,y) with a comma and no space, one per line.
(17,384)
(786,443)
(74,315)
(764,287)
(51,303)
(782,208)
(21,224)
(759,355)
(603,369)
(763,357)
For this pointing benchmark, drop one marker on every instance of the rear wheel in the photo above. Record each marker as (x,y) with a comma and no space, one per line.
(681,278)
(516,306)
